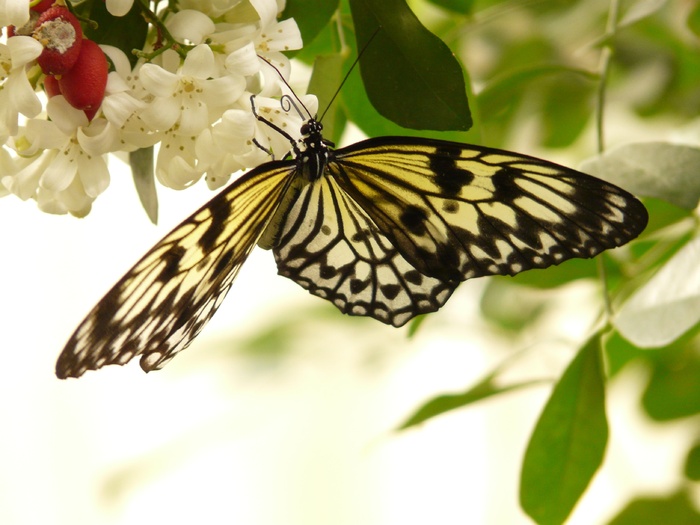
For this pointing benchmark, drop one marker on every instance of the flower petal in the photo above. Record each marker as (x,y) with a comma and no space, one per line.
(193,120)
(157,80)
(93,174)
(60,173)
(119,7)
(200,63)
(243,61)
(190,25)
(23,49)
(14,13)
(267,11)
(161,114)
(223,91)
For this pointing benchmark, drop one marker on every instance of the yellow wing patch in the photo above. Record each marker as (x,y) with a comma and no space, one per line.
(162,303)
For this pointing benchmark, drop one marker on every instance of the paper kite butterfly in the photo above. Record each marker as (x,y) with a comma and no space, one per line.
(386,228)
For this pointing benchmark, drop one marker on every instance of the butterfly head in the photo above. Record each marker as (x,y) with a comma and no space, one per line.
(310,129)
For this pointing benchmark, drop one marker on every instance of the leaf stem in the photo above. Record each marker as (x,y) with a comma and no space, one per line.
(605,59)
(164,40)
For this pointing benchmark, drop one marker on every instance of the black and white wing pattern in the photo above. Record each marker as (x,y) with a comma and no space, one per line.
(162,303)
(332,247)
(385,228)
(396,223)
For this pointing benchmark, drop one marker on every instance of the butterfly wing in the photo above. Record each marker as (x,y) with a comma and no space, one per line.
(396,223)
(456,211)
(329,245)
(163,302)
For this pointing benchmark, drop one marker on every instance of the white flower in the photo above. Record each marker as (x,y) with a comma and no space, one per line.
(14,13)
(198,108)
(190,26)
(119,7)
(9,166)
(288,119)
(176,165)
(119,102)
(64,168)
(192,98)
(17,95)
(266,37)
(227,147)
(212,8)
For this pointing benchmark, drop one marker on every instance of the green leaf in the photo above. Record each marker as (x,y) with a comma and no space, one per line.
(512,308)
(673,391)
(325,82)
(568,443)
(619,352)
(310,15)
(411,76)
(365,116)
(675,509)
(652,169)
(639,10)
(666,306)
(415,325)
(694,20)
(662,214)
(556,92)
(141,162)
(566,109)
(464,7)
(556,276)
(692,463)
(445,403)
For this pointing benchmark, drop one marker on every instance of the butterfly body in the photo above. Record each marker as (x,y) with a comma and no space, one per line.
(387,228)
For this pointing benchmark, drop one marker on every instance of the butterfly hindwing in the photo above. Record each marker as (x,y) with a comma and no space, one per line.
(162,303)
(456,211)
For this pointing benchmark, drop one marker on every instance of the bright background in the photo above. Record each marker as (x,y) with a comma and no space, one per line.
(261,424)
(283,411)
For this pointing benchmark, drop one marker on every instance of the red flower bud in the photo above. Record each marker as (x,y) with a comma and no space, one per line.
(84,85)
(59,32)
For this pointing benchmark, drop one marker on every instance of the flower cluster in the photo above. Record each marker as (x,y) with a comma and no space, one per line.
(189,93)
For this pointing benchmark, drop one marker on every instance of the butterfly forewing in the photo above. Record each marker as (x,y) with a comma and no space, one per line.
(162,303)
(330,246)
(456,211)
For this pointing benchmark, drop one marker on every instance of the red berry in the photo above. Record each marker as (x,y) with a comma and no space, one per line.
(84,85)
(42,6)
(51,86)
(59,32)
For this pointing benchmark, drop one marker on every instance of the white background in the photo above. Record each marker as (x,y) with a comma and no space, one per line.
(220,436)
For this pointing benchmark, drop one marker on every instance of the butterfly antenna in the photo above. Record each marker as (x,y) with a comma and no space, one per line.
(288,97)
(347,75)
(287,103)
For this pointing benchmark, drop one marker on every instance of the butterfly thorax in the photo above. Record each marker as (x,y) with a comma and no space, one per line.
(315,153)
(312,154)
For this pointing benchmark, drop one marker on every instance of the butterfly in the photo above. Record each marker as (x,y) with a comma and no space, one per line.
(386,228)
